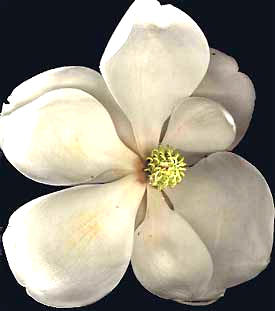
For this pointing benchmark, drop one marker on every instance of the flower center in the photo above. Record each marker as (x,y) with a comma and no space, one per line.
(165,167)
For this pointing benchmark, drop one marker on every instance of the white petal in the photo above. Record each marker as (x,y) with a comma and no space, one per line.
(228,203)
(200,125)
(141,210)
(72,247)
(169,259)
(65,137)
(162,61)
(136,11)
(76,77)
(231,88)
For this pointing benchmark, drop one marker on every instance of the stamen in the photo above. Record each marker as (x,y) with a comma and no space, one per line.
(165,167)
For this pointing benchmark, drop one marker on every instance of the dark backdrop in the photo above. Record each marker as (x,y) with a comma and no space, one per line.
(43,35)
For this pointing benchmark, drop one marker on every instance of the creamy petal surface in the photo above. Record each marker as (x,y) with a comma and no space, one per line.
(76,77)
(72,247)
(228,203)
(141,210)
(162,60)
(169,258)
(199,126)
(65,137)
(231,88)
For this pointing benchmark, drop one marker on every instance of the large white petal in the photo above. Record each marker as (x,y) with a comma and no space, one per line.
(76,77)
(162,58)
(65,137)
(228,203)
(200,126)
(72,247)
(169,259)
(231,88)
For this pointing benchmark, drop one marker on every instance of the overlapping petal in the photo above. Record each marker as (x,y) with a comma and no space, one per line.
(169,258)
(141,210)
(72,247)
(199,126)
(65,137)
(76,77)
(156,57)
(228,203)
(231,88)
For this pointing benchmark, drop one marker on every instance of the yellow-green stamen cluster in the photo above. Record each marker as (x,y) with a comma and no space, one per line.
(165,167)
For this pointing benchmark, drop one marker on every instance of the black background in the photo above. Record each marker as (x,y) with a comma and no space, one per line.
(36,36)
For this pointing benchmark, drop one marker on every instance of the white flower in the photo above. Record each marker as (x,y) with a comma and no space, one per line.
(189,243)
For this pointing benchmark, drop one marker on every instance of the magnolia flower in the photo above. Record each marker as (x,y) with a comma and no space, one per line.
(146,148)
